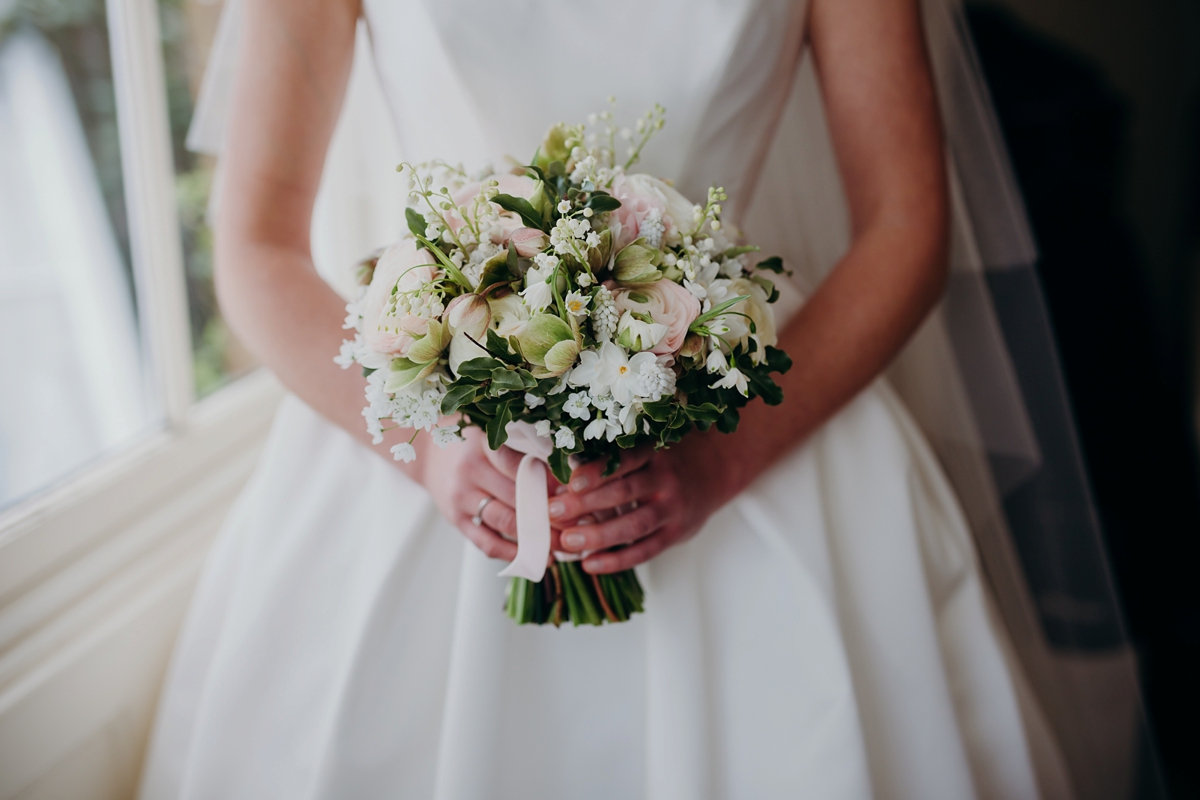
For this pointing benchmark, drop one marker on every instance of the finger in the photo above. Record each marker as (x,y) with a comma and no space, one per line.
(639,485)
(501,518)
(490,543)
(590,475)
(491,481)
(629,557)
(621,530)
(505,460)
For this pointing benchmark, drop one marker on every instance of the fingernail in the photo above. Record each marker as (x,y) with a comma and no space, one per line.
(579,484)
(585,521)
(573,540)
(562,488)
(557,509)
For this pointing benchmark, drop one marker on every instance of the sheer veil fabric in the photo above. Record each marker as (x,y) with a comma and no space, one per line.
(914,603)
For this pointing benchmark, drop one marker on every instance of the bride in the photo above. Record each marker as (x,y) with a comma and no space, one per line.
(817,623)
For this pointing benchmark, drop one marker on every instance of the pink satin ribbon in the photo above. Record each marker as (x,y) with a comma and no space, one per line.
(533,505)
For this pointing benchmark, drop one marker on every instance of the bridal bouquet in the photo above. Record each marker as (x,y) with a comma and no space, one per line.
(571,309)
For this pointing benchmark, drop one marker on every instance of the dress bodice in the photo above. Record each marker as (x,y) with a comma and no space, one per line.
(479,80)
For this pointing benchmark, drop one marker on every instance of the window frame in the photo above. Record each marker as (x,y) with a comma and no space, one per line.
(93,552)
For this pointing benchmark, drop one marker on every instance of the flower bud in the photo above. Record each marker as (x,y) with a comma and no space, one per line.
(638,263)
(636,334)
(540,334)
(529,241)
(470,313)
(693,345)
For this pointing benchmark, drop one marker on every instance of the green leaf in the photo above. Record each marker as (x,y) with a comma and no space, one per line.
(416,223)
(774,264)
(505,380)
(737,251)
(458,396)
(716,312)
(601,202)
(497,345)
(454,272)
(705,412)
(778,360)
(614,463)
(478,369)
(728,422)
(497,427)
(527,379)
(521,207)
(496,272)
(367,371)
(560,465)
(659,411)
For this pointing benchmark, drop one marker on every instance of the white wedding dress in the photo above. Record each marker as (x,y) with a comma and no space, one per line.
(826,635)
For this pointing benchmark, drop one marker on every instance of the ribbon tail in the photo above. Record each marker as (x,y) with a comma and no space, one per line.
(533,522)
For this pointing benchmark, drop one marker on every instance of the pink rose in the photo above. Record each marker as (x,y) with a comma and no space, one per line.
(638,195)
(388,324)
(668,304)
(516,185)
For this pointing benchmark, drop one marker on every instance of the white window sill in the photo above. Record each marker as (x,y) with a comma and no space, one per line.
(95,573)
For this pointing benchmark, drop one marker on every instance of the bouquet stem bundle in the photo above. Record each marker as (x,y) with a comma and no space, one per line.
(568,594)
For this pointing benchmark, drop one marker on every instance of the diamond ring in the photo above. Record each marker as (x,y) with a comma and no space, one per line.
(478,518)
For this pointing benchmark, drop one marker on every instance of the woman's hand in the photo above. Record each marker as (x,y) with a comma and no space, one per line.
(663,504)
(460,477)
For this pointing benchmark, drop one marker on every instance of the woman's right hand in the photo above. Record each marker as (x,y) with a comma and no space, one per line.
(459,477)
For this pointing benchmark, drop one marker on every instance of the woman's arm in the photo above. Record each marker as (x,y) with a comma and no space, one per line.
(882,112)
(292,76)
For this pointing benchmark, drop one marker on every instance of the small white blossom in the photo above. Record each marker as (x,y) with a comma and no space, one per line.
(604,315)
(446,435)
(716,361)
(345,357)
(533,400)
(651,228)
(564,207)
(542,427)
(404,452)
(537,292)
(564,438)
(656,379)
(734,379)
(577,405)
(584,279)
(577,303)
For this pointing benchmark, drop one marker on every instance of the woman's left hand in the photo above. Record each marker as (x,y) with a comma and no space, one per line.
(668,507)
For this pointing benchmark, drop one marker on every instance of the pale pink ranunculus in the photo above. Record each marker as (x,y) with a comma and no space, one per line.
(638,194)
(516,185)
(668,304)
(388,327)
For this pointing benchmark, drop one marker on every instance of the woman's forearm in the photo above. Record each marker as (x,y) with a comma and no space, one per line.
(844,336)
(291,320)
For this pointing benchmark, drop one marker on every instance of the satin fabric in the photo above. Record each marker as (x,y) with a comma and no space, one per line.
(826,635)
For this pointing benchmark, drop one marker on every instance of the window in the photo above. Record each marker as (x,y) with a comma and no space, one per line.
(188,31)
(126,432)
(108,320)
(74,382)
